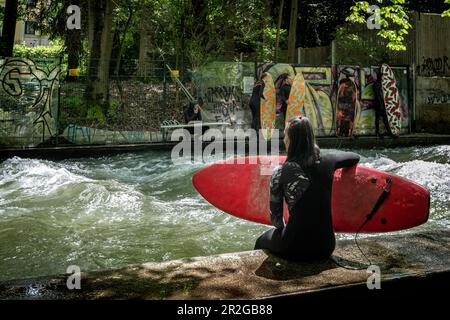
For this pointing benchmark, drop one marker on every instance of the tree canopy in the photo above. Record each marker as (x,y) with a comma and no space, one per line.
(191,33)
(394,17)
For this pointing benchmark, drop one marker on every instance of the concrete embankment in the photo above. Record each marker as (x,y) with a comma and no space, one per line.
(361,142)
(406,260)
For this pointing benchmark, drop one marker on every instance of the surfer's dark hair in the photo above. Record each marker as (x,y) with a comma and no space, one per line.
(281,78)
(193,103)
(302,143)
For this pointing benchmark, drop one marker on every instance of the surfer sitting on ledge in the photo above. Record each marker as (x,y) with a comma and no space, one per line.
(304,181)
(193,115)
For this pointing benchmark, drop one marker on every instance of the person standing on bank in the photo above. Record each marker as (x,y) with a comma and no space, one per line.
(380,110)
(255,103)
(283,86)
(305,182)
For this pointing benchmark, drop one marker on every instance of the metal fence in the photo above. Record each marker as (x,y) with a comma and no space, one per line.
(132,115)
(38,106)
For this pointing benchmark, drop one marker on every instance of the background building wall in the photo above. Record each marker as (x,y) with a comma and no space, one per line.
(432,63)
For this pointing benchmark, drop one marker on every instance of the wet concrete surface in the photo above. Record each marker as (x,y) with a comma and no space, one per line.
(403,258)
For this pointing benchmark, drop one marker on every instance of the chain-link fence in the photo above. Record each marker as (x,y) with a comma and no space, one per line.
(38,105)
(129,109)
(45,108)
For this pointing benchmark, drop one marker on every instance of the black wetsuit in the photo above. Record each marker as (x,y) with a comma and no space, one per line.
(285,91)
(190,115)
(309,234)
(380,110)
(255,104)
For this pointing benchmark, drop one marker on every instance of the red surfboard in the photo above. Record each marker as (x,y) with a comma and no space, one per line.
(241,188)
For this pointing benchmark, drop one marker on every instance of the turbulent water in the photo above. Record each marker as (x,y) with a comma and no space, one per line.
(109,212)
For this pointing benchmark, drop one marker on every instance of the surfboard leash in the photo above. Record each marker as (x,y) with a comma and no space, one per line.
(376,207)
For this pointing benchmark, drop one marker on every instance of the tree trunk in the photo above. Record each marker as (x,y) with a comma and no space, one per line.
(145,43)
(292,40)
(277,39)
(265,24)
(9,28)
(229,45)
(121,41)
(74,48)
(73,41)
(182,44)
(101,31)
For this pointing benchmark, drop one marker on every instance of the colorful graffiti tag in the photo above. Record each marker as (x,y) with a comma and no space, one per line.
(28,110)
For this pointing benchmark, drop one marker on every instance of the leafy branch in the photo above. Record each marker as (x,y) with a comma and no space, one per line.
(446,13)
(394,21)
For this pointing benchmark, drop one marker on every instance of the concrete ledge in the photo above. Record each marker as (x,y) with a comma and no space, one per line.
(361,142)
(255,274)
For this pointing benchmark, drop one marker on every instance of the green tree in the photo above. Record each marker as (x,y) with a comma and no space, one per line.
(101,35)
(394,19)
(51,16)
(446,13)
(277,38)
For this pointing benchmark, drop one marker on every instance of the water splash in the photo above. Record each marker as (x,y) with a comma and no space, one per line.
(112,211)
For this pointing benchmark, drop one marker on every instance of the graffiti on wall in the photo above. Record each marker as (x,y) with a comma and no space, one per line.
(318,104)
(87,135)
(437,98)
(340,100)
(431,67)
(28,109)
(221,90)
(225,102)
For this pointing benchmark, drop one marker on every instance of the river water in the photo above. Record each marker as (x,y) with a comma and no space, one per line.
(101,213)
